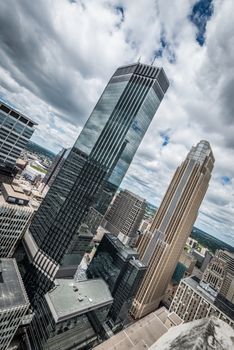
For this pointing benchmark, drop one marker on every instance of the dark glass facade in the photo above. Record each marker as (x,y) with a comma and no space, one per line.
(97,162)
(119,266)
(74,332)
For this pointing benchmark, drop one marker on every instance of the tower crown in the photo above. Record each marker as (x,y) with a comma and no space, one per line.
(201,151)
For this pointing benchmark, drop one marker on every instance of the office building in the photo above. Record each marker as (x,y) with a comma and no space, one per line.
(76,249)
(100,158)
(207,259)
(179,273)
(171,227)
(72,315)
(15,131)
(228,257)
(143,333)
(14,302)
(15,214)
(219,274)
(215,273)
(188,261)
(120,267)
(194,299)
(206,334)
(227,289)
(54,168)
(125,214)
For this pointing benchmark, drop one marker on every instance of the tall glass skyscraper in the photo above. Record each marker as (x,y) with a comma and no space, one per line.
(98,161)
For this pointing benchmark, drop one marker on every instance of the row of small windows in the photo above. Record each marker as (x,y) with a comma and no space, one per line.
(16,115)
(15,128)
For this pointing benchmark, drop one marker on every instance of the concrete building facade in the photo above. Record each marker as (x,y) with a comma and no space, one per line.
(15,214)
(125,214)
(72,315)
(215,273)
(14,302)
(194,300)
(171,227)
(219,274)
(15,131)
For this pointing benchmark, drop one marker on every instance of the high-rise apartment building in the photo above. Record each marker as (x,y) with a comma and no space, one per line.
(98,160)
(194,300)
(15,131)
(125,214)
(14,302)
(15,214)
(171,226)
(120,267)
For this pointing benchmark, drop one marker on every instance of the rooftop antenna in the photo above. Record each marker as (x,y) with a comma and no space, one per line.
(153,60)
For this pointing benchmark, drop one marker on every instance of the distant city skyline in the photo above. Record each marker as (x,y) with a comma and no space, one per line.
(56,81)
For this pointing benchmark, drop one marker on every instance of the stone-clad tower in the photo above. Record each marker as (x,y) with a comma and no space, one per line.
(172,225)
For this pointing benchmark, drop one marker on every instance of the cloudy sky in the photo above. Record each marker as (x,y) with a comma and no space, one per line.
(56,57)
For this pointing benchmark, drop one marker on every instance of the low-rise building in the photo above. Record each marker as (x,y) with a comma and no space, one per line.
(71,315)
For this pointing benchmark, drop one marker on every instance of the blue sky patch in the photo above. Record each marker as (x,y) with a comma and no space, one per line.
(120,10)
(165,137)
(165,47)
(225,180)
(201,13)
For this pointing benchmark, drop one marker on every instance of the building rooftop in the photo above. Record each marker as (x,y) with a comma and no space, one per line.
(124,250)
(14,191)
(138,263)
(141,334)
(69,298)
(12,292)
(230,254)
(135,196)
